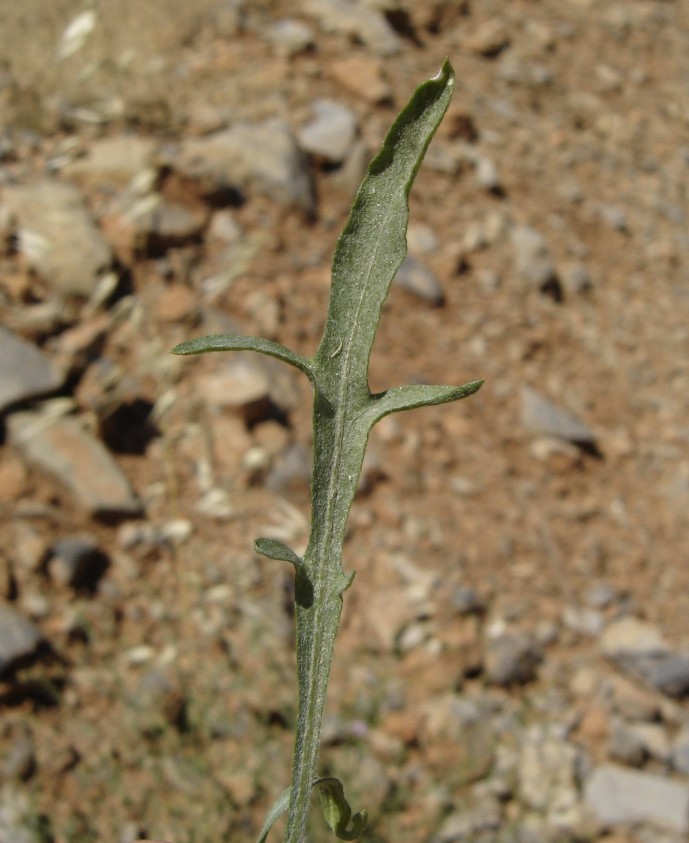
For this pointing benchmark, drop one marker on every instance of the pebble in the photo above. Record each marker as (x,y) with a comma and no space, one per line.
(467,601)
(630,636)
(415,277)
(75,348)
(111,162)
(583,621)
(14,809)
(600,595)
(533,259)
(362,76)
(224,228)
(77,561)
(159,700)
(613,216)
(149,225)
(19,637)
(576,278)
(62,448)
(291,469)
(631,701)
(457,736)
(667,672)
(654,738)
(625,745)
(26,372)
(680,751)
(240,386)
(541,416)
(548,777)
(264,157)
(19,761)
(618,796)
(331,132)
(487,174)
(58,236)
(489,39)
(170,225)
(421,239)
(512,657)
(290,36)
(468,823)
(359,20)
(176,303)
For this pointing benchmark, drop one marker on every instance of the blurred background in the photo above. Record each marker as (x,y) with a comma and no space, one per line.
(514,651)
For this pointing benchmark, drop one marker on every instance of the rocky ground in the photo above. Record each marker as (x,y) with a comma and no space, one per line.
(514,658)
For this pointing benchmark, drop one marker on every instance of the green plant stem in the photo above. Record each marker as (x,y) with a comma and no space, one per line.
(319,600)
(368,254)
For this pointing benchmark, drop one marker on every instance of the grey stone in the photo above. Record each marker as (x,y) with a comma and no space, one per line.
(619,796)
(466,824)
(639,649)
(487,174)
(19,761)
(112,161)
(14,809)
(583,621)
(290,36)
(19,637)
(26,372)
(665,672)
(77,561)
(467,601)
(614,216)
(576,278)
(533,259)
(150,223)
(62,448)
(159,699)
(548,777)
(291,470)
(250,156)
(58,236)
(630,636)
(655,740)
(358,20)
(680,751)
(417,278)
(625,745)
(421,239)
(512,658)
(457,734)
(331,133)
(541,416)
(241,385)
(600,595)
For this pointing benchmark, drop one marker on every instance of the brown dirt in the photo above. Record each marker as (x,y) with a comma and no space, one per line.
(465,492)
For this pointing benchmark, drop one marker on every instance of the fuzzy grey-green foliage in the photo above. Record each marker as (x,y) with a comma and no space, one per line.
(368,254)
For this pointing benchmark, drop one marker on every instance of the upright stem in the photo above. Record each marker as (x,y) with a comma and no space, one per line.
(318,591)
(315,643)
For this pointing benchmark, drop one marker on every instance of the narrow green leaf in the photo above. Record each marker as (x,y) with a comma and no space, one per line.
(275,549)
(274,814)
(373,243)
(336,810)
(236,342)
(418,395)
